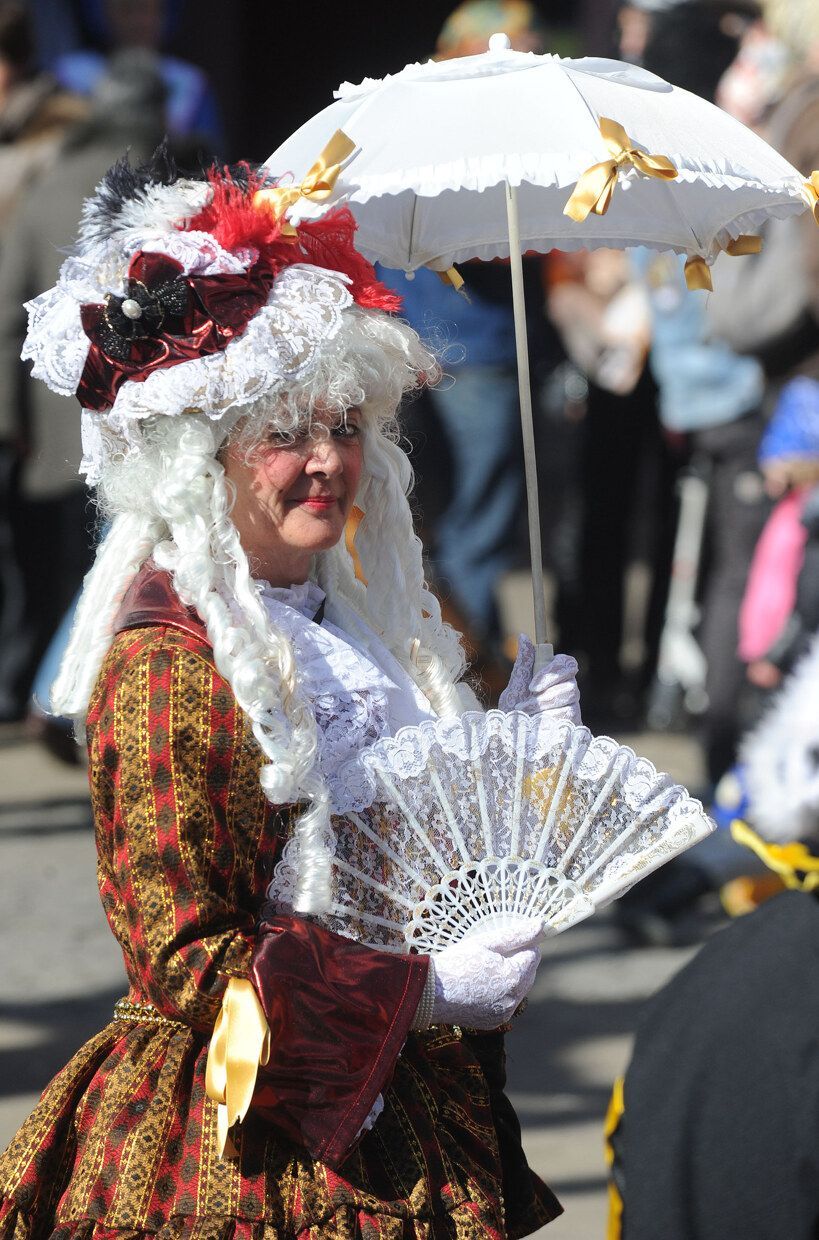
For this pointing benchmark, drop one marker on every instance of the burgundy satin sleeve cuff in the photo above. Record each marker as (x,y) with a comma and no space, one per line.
(339,1014)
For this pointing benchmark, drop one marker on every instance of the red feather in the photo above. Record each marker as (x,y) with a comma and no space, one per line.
(236,223)
(329,242)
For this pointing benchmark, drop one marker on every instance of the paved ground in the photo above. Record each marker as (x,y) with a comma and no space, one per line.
(60,973)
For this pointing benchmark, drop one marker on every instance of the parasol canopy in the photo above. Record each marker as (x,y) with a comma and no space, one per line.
(437,143)
(494,155)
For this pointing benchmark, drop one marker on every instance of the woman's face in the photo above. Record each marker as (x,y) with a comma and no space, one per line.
(294,494)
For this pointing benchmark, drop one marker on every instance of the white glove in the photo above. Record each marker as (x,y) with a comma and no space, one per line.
(481,980)
(552,690)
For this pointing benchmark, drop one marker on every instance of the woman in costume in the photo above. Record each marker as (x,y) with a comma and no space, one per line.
(230,659)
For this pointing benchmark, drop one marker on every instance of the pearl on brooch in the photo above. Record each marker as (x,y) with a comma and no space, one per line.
(131,309)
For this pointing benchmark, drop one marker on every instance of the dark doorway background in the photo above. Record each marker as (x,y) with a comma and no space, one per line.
(274,64)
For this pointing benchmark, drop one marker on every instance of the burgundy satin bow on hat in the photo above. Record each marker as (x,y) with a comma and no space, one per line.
(164,318)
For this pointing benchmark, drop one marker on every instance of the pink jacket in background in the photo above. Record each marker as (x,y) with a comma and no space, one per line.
(770,594)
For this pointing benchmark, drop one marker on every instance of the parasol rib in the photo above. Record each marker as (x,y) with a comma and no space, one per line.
(527,426)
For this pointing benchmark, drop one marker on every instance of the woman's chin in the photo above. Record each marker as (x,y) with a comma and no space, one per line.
(318,532)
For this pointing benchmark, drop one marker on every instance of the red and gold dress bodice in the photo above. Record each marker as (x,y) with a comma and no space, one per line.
(124,1138)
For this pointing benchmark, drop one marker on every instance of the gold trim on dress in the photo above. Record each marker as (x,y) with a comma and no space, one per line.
(144,1014)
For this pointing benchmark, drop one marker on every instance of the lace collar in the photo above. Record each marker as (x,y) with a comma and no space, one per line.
(305,597)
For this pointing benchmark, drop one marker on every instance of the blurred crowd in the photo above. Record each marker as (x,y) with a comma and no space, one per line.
(667,496)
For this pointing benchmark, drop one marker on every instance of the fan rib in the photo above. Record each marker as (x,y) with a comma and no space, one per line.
(382,846)
(517,804)
(609,781)
(554,806)
(400,801)
(481,794)
(451,820)
(641,821)
(374,884)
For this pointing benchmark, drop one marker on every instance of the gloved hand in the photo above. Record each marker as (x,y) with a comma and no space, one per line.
(481,980)
(552,690)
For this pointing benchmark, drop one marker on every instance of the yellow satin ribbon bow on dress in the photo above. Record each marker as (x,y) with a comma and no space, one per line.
(239,1044)
(697,271)
(810,193)
(594,190)
(316,186)
(789,861)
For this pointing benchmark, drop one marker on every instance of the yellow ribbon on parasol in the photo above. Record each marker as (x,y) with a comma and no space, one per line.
(594,190)
(810,193)
(697,271)
(451,277)
(239,1044)
(789,861)
(316,185)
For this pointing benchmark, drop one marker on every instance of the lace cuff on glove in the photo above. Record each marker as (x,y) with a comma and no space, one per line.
(552,690)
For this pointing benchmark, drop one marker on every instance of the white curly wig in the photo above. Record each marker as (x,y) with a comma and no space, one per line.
(168,498)
(314,335)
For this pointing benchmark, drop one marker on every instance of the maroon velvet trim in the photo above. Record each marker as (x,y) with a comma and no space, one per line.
(219,309)
(151,599)
(339,1014)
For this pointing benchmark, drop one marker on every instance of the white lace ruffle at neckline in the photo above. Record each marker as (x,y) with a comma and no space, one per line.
(356,687)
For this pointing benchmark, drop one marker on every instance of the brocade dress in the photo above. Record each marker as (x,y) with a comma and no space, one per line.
(123,1142)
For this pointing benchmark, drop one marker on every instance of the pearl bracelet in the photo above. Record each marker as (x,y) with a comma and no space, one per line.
(426,1005)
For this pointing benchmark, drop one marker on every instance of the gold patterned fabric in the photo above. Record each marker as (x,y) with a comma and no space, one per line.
(124,1139)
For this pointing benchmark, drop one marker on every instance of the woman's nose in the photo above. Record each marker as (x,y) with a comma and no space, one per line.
(325,458)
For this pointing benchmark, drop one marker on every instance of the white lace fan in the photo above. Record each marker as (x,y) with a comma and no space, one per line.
(495,815)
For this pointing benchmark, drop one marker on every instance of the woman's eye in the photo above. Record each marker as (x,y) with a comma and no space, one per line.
(285,439)
(347,430)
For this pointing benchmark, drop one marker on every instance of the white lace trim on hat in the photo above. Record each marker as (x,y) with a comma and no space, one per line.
(278,346)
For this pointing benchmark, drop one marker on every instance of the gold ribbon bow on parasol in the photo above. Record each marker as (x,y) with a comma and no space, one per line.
(810,193)
(697,271)
(316,185)
(239,1044)
(594,190)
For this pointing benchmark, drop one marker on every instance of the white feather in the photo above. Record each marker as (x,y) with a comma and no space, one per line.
(781,757)
(155,211)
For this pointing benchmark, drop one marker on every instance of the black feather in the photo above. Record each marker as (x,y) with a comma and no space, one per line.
(124,183)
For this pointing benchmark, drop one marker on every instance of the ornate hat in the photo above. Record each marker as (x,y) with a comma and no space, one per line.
(190,295)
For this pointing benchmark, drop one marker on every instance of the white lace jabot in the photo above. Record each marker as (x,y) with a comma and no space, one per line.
(357,688)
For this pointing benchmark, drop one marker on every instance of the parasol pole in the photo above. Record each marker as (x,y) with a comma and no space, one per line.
(544,650)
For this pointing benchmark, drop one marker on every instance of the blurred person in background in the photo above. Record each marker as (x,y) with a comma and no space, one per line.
(467,445)
(50,540)
(34,116)
(621,477)
(35,110)
(710,398)
(712,406)
(769,307)
(780,610)
(778,620)
(192,109)
(713,1133)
